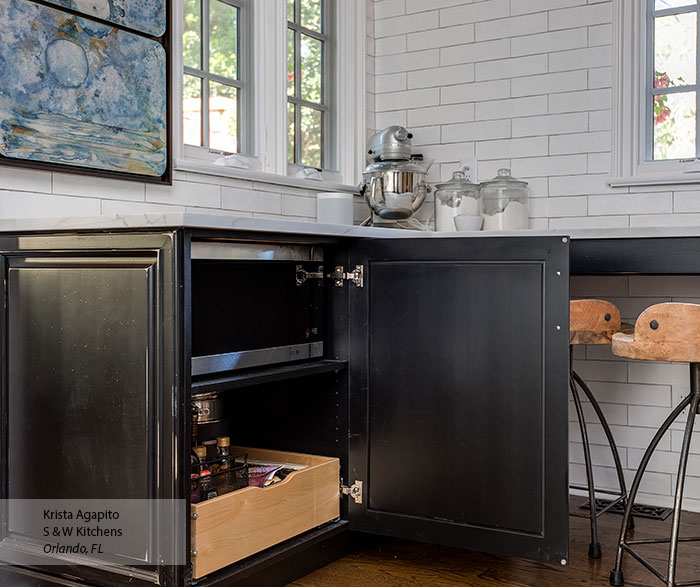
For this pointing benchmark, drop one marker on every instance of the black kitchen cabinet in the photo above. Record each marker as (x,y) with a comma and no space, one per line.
(441,393)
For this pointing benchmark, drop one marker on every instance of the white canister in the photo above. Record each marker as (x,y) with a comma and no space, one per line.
(335,208)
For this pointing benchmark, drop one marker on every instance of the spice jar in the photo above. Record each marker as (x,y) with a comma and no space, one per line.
(505,202)
(457,197)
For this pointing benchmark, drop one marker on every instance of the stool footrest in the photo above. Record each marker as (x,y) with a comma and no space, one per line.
(662,540)
(651,567)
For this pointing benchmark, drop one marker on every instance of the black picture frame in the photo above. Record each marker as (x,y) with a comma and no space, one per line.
(165,41)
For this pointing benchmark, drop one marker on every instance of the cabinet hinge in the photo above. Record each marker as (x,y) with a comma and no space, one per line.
(354,491)
(339,277)
(357,276)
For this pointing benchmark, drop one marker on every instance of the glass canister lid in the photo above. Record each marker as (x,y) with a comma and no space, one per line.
(504,179)
(452,191)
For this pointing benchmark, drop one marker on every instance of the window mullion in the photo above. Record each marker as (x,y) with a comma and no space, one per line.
(697,83)
(649,77)
(297,89)
(205,20)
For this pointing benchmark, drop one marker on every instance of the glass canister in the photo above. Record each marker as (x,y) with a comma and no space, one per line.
(457,197)
(506,202)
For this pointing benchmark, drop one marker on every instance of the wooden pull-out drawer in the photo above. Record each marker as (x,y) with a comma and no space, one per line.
(231,527)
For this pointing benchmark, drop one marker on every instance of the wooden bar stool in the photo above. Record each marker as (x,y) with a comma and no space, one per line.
(664,332)
(594,322)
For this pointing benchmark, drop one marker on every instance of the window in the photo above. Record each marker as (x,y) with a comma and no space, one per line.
(278,84)
(672,81)
(307,86)
(655,93)
(214,74)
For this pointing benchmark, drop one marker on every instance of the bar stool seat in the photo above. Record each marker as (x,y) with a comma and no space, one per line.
(594,322)
(663,332)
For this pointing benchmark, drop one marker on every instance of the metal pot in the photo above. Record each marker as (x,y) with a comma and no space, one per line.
(210,407)
(394,190)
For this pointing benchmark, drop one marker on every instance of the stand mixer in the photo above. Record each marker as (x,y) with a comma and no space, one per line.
(394,181)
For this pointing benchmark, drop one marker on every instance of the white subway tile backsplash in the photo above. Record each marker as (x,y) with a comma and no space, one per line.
(391,82)
(97,187)
(475,92)
(665,220)
(475,52)
(600,77)
(568,18)
(580,58)
(17,204)
(663,373)
(440,115)
(388,8)
(384,119)
(528,6)
(590,222)
(476,131)
(398,25)
(184,193)
(511,108)
(511,148)
(443,37)
(630,204)
(407,61)
(25,180)
(512,67)
(407,99)
(686,201)
(600,34)
(632,394)
(580,185)
(422,5)
(514,26)
(614,413)
(551,124)
(584,101)
(550,41)
(441,76)
(551,83)
(475,12)
(591,142)
(600,163)
(599,120)
(390,45)
(567,206)
(549,166)
(611,371)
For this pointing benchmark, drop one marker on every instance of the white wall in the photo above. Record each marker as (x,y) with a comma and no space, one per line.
(527,84)
(26,193)
(524,84)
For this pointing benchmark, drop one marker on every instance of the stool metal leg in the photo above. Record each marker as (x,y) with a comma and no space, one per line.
(611,440)
(616,576)
(682,466)
(594,550)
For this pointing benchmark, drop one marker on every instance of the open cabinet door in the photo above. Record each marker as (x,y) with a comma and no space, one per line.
(459,392)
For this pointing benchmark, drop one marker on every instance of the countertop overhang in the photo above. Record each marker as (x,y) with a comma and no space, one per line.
(197,220)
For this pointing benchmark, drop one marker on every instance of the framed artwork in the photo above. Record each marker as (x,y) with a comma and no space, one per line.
(84,87)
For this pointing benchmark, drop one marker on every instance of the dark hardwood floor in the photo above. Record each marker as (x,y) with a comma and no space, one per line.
(400,563)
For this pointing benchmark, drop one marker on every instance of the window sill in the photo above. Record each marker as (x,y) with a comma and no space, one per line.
(204,168)
(655,180)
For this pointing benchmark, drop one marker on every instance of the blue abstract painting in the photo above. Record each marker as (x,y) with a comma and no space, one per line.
(77,92)
(147,16)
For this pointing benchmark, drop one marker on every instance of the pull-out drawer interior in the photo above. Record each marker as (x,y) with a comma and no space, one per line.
(229,528)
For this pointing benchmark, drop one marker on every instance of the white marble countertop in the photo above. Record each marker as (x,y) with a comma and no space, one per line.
(225,221)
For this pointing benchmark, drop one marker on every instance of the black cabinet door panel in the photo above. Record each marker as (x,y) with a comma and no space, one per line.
(459,393)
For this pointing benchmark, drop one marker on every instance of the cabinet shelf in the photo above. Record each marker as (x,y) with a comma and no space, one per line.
(268,375)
